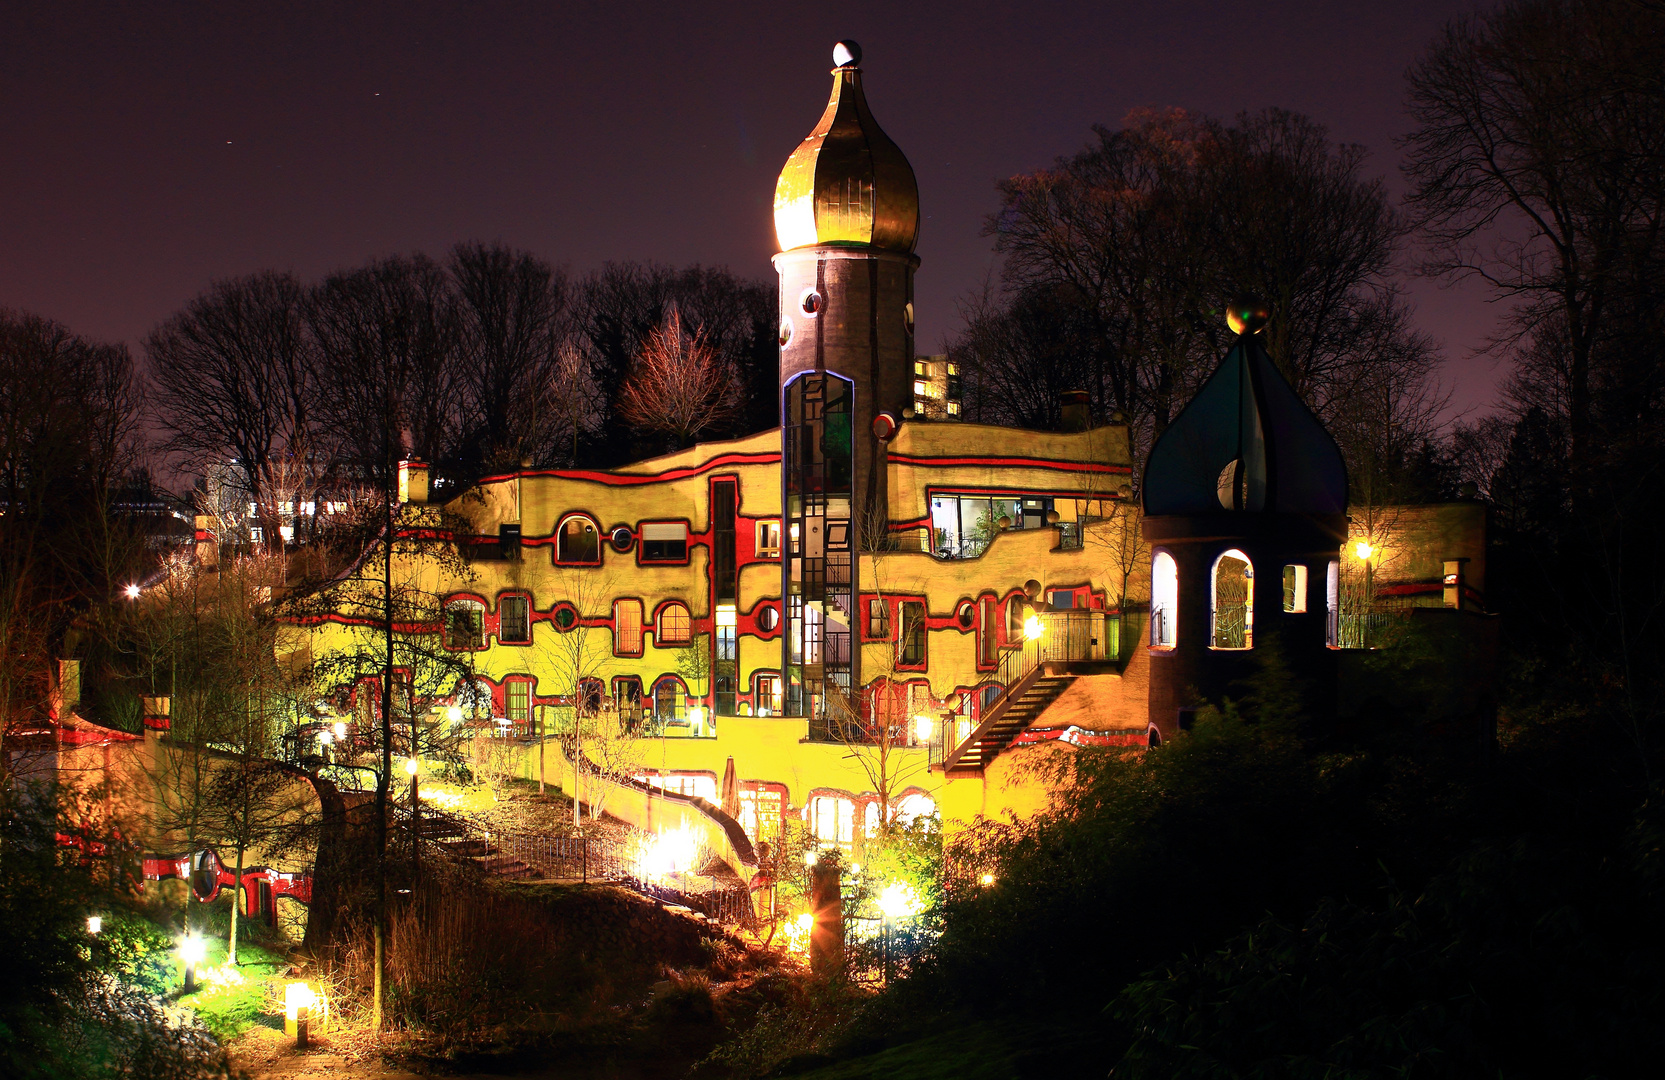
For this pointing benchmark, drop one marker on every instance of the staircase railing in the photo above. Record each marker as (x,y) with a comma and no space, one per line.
(1077,634)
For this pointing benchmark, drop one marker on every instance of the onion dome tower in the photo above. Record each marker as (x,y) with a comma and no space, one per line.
(1245,501)
(846,217)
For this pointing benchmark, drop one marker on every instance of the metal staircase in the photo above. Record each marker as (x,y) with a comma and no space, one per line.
(1018,708)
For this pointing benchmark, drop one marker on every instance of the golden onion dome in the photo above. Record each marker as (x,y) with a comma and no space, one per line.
(847,183)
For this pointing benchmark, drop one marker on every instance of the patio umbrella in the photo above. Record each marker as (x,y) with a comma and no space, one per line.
(731,791)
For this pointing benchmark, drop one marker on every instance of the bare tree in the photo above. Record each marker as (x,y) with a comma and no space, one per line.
(680,385)
(513,313)
(233,377)
(576,656)
(1537,164)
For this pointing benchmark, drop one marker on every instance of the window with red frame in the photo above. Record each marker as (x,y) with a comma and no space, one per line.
(627,627)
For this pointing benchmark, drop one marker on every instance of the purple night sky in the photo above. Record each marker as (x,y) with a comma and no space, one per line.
(147,149)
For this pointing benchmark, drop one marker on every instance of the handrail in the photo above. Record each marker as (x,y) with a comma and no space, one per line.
(1072,634)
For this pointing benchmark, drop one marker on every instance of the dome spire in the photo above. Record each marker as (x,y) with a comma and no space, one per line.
(847,183)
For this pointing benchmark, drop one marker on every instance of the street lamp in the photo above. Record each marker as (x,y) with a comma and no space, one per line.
(132,592)
(1363,549)
(192,949)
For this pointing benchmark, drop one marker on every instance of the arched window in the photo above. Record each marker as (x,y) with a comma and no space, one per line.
(1233,587)
(832,819)
(675,625)
(912,807)
(1164,601)
(578,541)
(465,624)
(670,700)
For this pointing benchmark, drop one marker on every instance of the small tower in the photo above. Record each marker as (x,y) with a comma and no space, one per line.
(1245,501)
(846,217)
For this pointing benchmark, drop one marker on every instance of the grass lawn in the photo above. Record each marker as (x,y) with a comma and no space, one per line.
(230,1000)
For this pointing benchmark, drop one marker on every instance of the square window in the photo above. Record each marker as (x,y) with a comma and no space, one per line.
(465,622)
(665,542)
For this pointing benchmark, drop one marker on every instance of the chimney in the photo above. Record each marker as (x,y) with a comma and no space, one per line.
(413,482)
(208,545)
(1075,410)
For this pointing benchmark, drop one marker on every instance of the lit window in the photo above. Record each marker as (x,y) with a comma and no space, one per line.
(665,542)
(953,369)
(832,820)
(953,408)
(627,627)
(919,388)
(767,695)
(577,540)
(1295,588)
(920,367)
(517,701)
(768,539)
(1164,600)
(1233,582)
(514,626)
(465,623)
(675,625)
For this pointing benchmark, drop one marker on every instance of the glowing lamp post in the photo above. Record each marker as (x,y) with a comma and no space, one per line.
(95,924)
(1033,627)
(192,949)
(304,1012)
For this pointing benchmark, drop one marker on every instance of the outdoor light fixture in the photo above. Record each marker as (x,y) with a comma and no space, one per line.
(132,592)
(696,715)
(986,879)
(922,728)
(899,901)
(95,923)
(1363,549)
(411,766)
(340,730)
(1033,628)
(304,1011)
(192,949)
(325,738)
(454,714)
(811,857)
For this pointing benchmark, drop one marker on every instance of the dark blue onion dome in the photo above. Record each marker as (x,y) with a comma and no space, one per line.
(1246,441)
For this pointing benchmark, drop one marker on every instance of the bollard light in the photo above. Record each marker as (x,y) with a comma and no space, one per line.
(987,879)
(340,730)
(95,924)
(412,766)
(922,726)
(305,1011)
(192,950)
(454,714)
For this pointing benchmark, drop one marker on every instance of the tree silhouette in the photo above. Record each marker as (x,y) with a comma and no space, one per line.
(680,385)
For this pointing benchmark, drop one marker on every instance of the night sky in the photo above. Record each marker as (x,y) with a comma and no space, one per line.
(147,149)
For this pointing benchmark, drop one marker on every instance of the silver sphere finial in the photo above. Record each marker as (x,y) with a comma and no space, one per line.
(846,54)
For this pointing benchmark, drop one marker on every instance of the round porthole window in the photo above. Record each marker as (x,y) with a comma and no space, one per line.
(768,618)
(785,332)
(565,616)
(622,539)
(812,302)
(907,316)
(967,615)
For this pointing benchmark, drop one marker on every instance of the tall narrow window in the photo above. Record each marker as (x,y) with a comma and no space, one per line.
(675,625)
(1295,588)
(878,618)
(517,701)
(1332,604)
(723,552)
(1164,601)
(912,651)
(514,626)
(987,631)
(1234,601)
(627,627)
